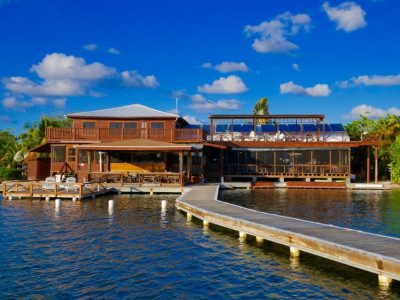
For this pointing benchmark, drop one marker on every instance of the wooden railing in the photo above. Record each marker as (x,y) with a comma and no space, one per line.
(120,134)
(121,179)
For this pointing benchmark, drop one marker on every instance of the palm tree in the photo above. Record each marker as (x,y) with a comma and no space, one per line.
(261,107)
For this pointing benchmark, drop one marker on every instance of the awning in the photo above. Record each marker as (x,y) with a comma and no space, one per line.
(136,145)
(46,147)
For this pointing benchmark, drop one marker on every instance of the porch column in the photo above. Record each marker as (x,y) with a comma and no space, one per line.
(181,166)
(368,164)
(189,164)
(221,163)
(376,164)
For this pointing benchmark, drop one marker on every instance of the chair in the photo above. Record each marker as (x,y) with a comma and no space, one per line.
(49,183)
(70,184)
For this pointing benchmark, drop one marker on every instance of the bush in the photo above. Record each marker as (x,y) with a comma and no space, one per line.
(10,174)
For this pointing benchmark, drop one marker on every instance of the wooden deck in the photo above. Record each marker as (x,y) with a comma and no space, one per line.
(370,252)
(37,189)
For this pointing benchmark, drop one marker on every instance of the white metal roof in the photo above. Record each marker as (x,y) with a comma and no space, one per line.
(127,111)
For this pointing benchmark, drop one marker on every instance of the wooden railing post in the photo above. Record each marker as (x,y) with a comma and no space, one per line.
(4,189)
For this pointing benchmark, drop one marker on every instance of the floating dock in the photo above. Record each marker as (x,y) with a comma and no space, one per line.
(370,252)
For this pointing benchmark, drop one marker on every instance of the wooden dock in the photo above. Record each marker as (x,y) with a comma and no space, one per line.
(37,189)
(370,252)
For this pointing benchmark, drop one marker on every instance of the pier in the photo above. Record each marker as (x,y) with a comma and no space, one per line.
(370,252)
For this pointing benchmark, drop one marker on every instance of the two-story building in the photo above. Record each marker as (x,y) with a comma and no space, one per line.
(138,144)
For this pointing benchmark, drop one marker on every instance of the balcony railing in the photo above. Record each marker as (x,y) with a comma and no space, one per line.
(119,134)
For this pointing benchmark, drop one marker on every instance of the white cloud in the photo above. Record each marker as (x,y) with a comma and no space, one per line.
(296,67)
(39,101)
(370,111)
(348,16)
(273,34)
(318,90)
(208,105)
(224,85)
(61,75)
(371,80)
(13,103)
(134,79)
(59,103)
(113,51)
(90,47)
(192,120)
(228,67)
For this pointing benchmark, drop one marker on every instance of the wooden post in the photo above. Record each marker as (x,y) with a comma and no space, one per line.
(212,129)
(376,164)
(274,162)
(368,164)
(330,162)
(4,189)
(181,167)
(221,163)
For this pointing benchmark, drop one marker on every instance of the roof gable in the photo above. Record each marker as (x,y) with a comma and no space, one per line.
(132,111)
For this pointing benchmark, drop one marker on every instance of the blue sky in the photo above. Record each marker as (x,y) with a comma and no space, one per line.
(338,58)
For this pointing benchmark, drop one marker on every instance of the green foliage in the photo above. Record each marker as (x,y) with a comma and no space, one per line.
(8,147)
(395,160)
(35,133)
(357,128)
(10,173)
(261,107)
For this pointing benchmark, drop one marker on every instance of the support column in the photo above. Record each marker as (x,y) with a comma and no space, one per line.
(242,235)
(221,163)
(368,165)
(189,217)
(384,281)
(376,164)
(206,224)
(294,252)
(181,167)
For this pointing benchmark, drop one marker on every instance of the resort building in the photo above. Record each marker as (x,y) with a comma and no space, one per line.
(138,144)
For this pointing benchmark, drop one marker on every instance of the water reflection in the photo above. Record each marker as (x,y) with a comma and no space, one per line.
(372,211)
(82,254)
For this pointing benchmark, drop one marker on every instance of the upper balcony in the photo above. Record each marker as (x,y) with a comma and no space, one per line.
(190,135)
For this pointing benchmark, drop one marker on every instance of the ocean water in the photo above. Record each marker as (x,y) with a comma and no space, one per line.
(83,250)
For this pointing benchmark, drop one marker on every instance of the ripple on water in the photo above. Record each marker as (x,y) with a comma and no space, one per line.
(138,251)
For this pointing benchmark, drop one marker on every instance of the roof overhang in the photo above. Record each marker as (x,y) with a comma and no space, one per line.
(306,145)
(136,145)
(44,148)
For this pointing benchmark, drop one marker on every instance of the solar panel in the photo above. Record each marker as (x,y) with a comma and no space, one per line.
(237,128)
(294,128)
(268,128)
(283,127)
(309,127)
(247,128)
(337,127)
(221,128)
(206,128)
(258,128)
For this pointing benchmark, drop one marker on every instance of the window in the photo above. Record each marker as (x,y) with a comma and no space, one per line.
(83,156)
(71,154)
(130,125)
(58,154)
(89,125)
(115,125)
(157,125)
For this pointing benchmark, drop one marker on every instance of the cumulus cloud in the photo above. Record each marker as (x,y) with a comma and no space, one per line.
(113,51)
(59,103)
(348,16)
(192,120)
(208,105)
(318,90)
(224,85)
(13,103)
(273,35)
(90,47)
(296,67)
(228,67)
(370,111)
(134,79)
(371,80)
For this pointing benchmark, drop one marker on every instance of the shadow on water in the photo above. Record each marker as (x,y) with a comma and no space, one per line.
(138,250)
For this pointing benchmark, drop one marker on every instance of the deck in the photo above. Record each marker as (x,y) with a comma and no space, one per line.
(37,189)
(370,252)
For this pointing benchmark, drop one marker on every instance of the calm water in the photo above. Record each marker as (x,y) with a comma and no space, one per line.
(140,252)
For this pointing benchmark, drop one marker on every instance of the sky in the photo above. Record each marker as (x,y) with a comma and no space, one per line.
(335,58)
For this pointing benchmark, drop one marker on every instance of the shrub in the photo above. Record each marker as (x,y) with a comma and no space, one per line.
(395,161)
(10,174)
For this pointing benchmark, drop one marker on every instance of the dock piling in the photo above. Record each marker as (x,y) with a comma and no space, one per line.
(259,240)
(206,224)
(189,217)
(294,252)
(163,205)
(384,281)
(110,206)
(242,235)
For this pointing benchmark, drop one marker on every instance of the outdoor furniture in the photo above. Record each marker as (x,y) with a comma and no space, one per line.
(49,183)
(70,184)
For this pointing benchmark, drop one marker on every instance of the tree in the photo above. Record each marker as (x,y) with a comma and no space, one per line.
(9,146)
(261,107)
(395,161)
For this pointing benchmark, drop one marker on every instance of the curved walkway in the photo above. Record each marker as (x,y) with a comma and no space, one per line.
(370,252)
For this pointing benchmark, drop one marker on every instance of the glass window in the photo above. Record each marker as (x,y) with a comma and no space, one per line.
(89,125)
(71,152)
(58,154)
(130,125)
(83,156)
(157,125)
(115,125)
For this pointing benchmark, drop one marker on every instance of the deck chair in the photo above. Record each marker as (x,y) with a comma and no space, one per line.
(70,184)
(49,183)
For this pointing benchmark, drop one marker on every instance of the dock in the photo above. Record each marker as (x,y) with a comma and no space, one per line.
(36,189)
(366,251)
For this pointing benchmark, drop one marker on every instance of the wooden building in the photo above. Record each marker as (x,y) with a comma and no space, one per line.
(136,143)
